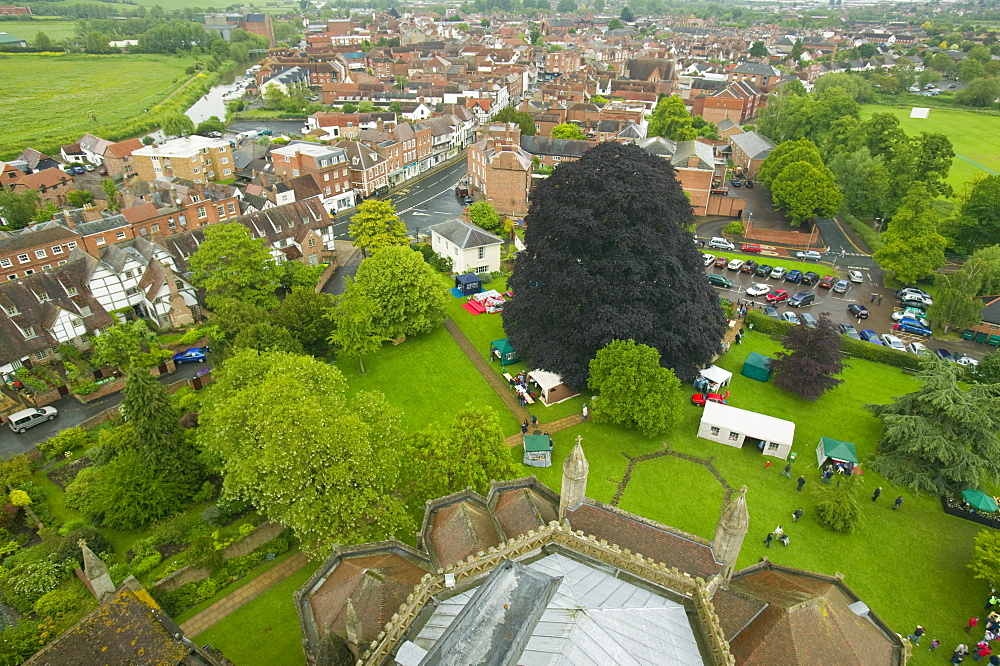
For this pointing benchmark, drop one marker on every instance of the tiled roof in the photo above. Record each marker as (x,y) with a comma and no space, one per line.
(40,234)
(464,234)
(991,309)
(123,148)
(538,145)
(756,146)
(519,510)
(103,224)
(460,525)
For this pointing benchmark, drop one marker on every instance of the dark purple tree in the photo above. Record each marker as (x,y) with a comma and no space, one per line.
(609,258)
(814,357)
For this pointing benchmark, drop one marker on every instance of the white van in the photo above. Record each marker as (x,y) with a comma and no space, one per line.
(29,418)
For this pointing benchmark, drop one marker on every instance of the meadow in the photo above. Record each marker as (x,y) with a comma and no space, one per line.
(975,137)
(57,29)
(50,97)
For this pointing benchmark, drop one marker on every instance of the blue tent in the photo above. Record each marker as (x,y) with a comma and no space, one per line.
(468,284)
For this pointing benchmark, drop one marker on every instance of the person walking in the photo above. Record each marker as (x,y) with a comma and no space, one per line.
(524,427)
(843,252)
(879,300)
(796,515)
(875,495)
(973,622)
(767,465)
(769,539)
(534,421)
(959,654)
(899,500)
(934,644)
(802,482)
(917,633)
(585,411)
(874,296)
(787,472)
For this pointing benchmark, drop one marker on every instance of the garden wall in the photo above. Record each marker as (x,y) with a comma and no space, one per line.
(793,238)
(107,388)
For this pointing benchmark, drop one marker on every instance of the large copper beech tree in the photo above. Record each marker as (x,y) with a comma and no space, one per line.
(608,258)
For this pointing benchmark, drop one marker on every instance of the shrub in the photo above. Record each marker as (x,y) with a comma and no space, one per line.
(758,321)
(231,507)
(205,494)
(84,388)
(70,439)
(868,235)
(15,471)
(878,353)
(71,525)
(56,602)
(19,498)
(735,227)
(119,572)
(212,515)
(26,583)
(141,567)
(69,549)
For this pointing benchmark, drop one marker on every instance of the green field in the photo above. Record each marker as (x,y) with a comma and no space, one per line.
(58,30)
(975,136)
(50,96)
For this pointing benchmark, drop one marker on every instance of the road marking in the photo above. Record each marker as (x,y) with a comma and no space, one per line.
(420,214)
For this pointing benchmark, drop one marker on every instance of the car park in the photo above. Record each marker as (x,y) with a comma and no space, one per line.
(735,265)
(855,276)
(790,317)
(808,319)
(868,335)
(849,331)
(777,296)
(750,247)
(758,290)
(917,348)
(912,326)
(699,398)
(709,259)
(778,273)
(841,286)
(857,311)
(721,243)
(721,262)
(771,312)
(827,281)
(809,255)
(717,280)
(749,266)
(945,354)
(793,276)
(892,342)
(908,313)
(810,278)
(193,355)
(802,299)
(763,270)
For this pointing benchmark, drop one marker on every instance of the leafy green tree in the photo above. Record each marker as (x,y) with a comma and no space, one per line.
(940,439)
(42,41)
(177,124)
(803,191)
(79,198)
(305,313)
(956,304)
(483,214)
(523,119)
(758,49)
(837,504)
(213,124)
(568,131)
(988,370)
(942,62)
(970,70)
(470,453)
(17,208)
(978,221)
(231,263)
(627,15)
(911,246)
(408,294)
(111,192)
(354,331)
(376,225)
(566,6)
(297,274)
(264,336)
(864,181)
(671,119)
(787,115)
(986,557)
(45,213)
(396,107)
(927,77)
(615,24)
(785,153)
(635,390)
(599,7)
(130,346)
(310,458)
(796,53)
(813,359)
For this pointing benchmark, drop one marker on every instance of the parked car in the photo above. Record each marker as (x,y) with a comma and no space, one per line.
(749,266)
(809,255)
(721,243)
(810,278)
(721,262)
(945,354)
(748,184)
(763,270)
(841,286)
(103,171)
(964,359)
(858,311)
(790,317)
(772,313)
(78,170)
(735,265)
(909,313)
(868,335)
(901,293)
(808,319)
(89,167)
(265,131)
(777,296)
(750,247)
(802,299)
(29,418)
(717,280)
(193,355)
(468,201)
(709,259)
(916,296)
(736,182)
(778,273)
(912,326)
(793,276)
(917,348)
(909,303)
(849,331)
(699,398)
(827,281)
(892,342)
(758,289)
(855,276)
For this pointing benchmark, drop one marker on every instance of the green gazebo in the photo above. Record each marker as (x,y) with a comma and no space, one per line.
(503,350)
(757,366)
(537,451)
(837,451)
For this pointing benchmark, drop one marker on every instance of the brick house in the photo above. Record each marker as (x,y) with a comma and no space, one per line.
(328,165)
(737,102)
(195,158)
(501,170)
(368,170)
(694,164)
(160,208)
(36,248)
(749,150)
(764,77)
(118,159)
(52,185)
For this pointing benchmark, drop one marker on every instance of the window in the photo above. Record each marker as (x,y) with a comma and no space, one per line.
(221,210)
(171,224)
(226,172)
(12,276)
(11,310)
(195,198)
(772,446)
(312,242)
(62,262)
(131,291)
(481,269)
(714,430)
(99,240)
(85,310)
(28,272)
(197,170)
(481,252)
(6,263)
(179,284)
(120,235)
(733,436)
(202,212)
(72,291)
(71,245)
(46,267)
(155,228)
(40,254)
(326,177)
(223,160)
(57,249)
(183,220)
(42,354)
(231,208)
(23,258)
(29,332)
(128,274)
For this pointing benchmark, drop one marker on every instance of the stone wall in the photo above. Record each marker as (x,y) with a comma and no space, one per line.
(107,388)
(793,238)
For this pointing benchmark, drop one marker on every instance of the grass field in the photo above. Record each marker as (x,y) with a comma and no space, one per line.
(49,96)
(975,136)
(57,30)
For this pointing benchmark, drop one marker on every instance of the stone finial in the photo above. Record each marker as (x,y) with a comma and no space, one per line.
(351,624)
(574,479)
(733,526)
(99,581)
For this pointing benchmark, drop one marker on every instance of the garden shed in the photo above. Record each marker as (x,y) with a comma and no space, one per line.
(537,451)
(732,426)
(716,376)
(504,351)
(834,450)
(757,366)
(551,387)
(468,284)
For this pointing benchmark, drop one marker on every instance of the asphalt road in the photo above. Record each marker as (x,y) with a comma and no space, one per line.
(72,412)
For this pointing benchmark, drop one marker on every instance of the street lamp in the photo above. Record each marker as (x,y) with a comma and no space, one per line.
(879,220)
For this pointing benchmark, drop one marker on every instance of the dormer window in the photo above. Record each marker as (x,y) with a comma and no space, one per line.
(43,297)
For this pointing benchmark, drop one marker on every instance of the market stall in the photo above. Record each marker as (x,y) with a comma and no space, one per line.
(537,451)
(835,451)
(712,378)
(551,388)
(468,284)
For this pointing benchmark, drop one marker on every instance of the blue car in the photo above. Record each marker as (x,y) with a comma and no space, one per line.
(907,325)
(193,355)
(870,336)
(794,276)
(772,313)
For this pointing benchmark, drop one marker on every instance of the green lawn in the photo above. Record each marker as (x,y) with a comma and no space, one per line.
(50,96)
(975,136)
(266,630)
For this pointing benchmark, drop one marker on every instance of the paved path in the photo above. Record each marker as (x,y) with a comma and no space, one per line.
(225,606)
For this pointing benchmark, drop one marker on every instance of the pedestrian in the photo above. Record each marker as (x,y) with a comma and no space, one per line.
(802,482)
(991,601)
(843,252)
(879,300)
(994,660)
(874,296)
(767,465)
(769,539)
(534,421)
(917,633)
(959,654)
(934,644)
(524,427)
(973,621)
(827,475)
(585,411)
(520,400)
(899,500)
(796,515)
(875,495)
(787,472)
(982,650)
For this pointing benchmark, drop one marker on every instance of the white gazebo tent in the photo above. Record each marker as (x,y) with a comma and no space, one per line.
(731,426)
(717,376)
(551,387)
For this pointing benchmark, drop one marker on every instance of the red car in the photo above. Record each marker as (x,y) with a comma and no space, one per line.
(721,262)
(750,247)
(827,281)
(699,398)
(777,296)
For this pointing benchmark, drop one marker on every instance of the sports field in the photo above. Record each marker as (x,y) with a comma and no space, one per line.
(975,136)
(50,97)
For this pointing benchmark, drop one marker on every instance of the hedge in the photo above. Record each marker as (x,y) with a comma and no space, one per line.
(868,235)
